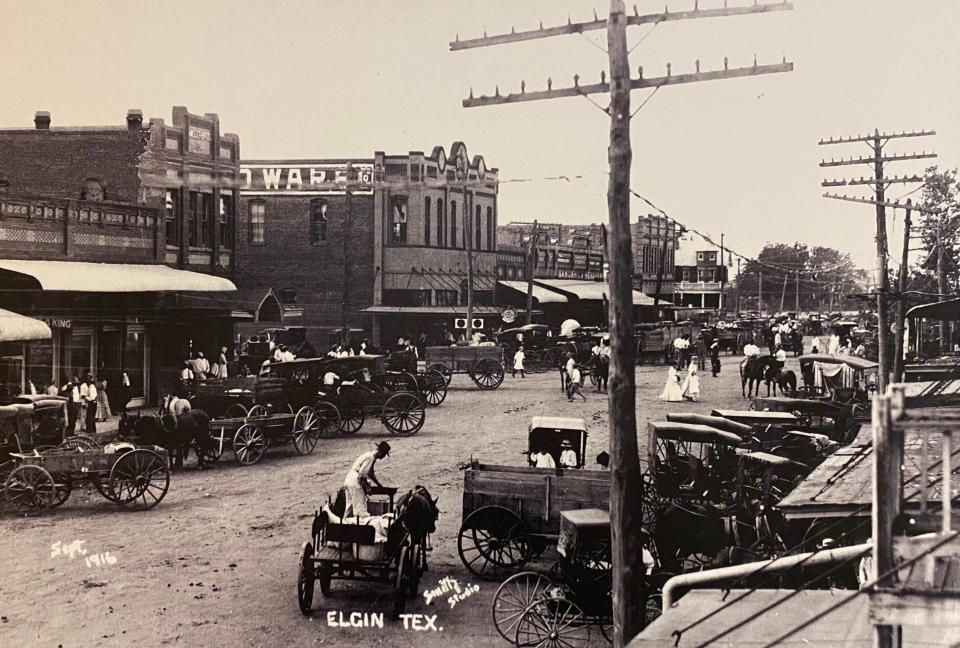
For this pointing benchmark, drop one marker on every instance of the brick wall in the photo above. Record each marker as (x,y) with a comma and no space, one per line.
(288,258)
(55,163)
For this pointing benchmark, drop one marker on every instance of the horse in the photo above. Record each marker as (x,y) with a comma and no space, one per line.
(753,371)
(175,405)
(785,379)
(177,434)
(601,369)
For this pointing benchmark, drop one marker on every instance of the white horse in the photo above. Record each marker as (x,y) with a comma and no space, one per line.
(173,404)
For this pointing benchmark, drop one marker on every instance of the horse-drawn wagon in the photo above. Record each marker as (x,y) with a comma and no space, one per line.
(33,423)
(136,478)
(403,375)
(348,390)
(249,436)
(484,364)
(540,352)
(388,549)
(511,513)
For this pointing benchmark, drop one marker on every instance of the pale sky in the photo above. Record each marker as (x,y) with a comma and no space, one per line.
(325,78)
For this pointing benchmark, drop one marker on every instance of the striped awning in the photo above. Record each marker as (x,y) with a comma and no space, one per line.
(81,276)
(19,328)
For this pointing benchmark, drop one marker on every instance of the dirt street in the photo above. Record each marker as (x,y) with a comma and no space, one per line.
(215,564)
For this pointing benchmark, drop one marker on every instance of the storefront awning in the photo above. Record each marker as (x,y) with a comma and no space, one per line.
(19,328)
(541,294)
(944,311)
(80,276)
(589,290)
(431,310)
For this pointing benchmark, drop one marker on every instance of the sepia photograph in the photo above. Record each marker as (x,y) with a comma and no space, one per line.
(419,324)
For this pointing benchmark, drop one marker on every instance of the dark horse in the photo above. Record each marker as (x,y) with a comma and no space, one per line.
(177,434)
(785,379)
(601,369)
(754,372)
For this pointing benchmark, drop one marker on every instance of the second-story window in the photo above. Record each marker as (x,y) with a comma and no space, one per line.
(226,220)
(318,220)
(205,230)
(172,216)
(453,223)
(193,219)
(258,223)
(441,225)
(491,237)
(426,221)
(478,230)
(398,221)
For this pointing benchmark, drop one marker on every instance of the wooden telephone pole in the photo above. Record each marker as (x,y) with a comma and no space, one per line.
(880,182)
(626,484)
(898,360)
(531,268)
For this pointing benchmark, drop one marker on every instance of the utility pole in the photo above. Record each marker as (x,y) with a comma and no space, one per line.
(722,270)
(462,161)
(901,299)
(880,182)
(796,295)
(783,293)
(760,292)
(531,267)
(738,287)
(626,484)
(942,285)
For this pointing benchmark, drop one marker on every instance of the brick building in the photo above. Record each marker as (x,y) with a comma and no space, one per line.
(655,242)
(91,219)
(376,244)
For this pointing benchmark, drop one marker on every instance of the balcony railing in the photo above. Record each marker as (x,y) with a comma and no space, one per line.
(699,286)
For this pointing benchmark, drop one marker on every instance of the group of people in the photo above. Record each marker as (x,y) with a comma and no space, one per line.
(687,388)
(86,401)
(199,367)
(541,457)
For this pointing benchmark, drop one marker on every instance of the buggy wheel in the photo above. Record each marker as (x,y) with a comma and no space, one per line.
(62,485)
(323,575)
(443,370)
(435,388)
(403,414)
(306,430)
(102,488)
(80,443)
(402,582)
(29,490)
(139,479)
(514,597)
(493,542)
(236,410)
(249,444)
(305,577)
(351,419)
(605,625)
(328,418)
(257,410)
(400,381)
(416,559)
(487,374)
(554,621)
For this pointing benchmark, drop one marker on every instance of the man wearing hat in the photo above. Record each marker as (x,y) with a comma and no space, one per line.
(568,458)
(359,476)
(88,398)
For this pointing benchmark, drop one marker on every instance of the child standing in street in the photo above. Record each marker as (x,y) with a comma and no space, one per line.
(518,363)
(574,388)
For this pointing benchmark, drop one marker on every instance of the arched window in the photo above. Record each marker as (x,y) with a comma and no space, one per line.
(318,220)
(426,221)
(453,223)
(270,309)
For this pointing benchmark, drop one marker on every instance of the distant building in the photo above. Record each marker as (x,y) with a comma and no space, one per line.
(655,242)
(700,274)
(378,244)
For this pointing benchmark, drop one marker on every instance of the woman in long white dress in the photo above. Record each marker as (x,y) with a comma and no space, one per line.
(691,385)
(671,390)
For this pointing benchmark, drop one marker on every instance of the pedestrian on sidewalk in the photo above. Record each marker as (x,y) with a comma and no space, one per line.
(574,389)
(88,397)
(72,391)
(518,358)
(103,402)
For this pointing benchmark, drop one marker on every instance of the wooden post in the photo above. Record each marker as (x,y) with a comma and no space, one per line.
(760,292)
(886,502)
(796,295)
(626,484)
(898,361)
(883,318)
(531,267)
(738,287)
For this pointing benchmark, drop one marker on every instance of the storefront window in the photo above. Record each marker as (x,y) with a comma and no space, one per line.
(79,353)
(11,377)
(134,352)
(40,363)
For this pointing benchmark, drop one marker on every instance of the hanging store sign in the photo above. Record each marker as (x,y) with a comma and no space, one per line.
(307,178)
(57,323)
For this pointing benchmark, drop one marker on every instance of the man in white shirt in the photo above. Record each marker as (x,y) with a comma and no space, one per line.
(330,379)
(201,366)
(359,476)
(575,385)
(88,398)
(543,459)
(751,350)
(285,354)
(72,392)
(780,357)
(568,458)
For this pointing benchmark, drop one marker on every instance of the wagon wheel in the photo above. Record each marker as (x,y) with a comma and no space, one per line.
(695,561)
(649,503)
(257,410)
(400,381)
(553,622)
(139,479)
(208,452)
(102,488)
(306,430)
(351,419)
(605,625)
(493,540)
(403,414)
(435,390)
(487,374)
(249,444)
(328,418)
(305,578)
(237,410)
(402,582)
(29,490)
(443,370)
(416,559)
(62,485)
(514,597)
(80,442)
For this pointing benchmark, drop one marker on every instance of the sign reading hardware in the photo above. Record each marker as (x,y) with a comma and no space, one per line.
(306,178)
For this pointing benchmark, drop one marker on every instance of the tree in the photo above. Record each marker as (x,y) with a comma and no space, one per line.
(939,233)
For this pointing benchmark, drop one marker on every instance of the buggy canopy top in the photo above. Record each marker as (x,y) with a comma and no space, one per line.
(692,432)
(717,422)
(557,423)
(854,362)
